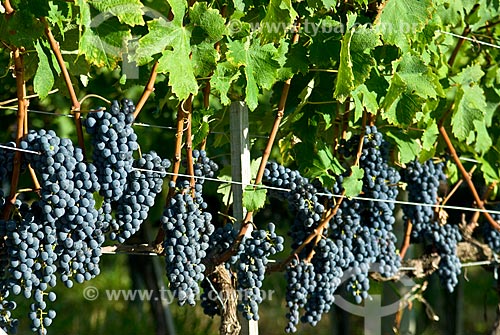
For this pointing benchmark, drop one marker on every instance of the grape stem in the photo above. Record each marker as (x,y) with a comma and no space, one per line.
(406,241)
(67,79)
(21,120)
(8,7)
(466,176)
(148,89)
(457,185)
(189,146)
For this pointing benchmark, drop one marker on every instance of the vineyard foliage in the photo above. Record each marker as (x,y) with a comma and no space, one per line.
(372,98)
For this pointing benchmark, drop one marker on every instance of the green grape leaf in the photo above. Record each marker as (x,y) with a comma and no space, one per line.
(400,19)
(44,77)
(353,184)
(418,77)
(127,11)
(345,77)
(364,99)
(363,41)
(209,20)
(430,137)
(204,58)
(177,63)
(483,139)
(278,20)
(260,65)
(490,166)
(469,106)
(225,189)
(56,17)
(172,40)
(408,147)
(103,45)
(319,163)
(254,199)
(225,74)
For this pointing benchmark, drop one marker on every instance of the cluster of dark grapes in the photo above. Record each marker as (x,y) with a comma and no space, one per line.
(423,181)
(114,142)
(6,160)
(7,323)
(491,235)
(60,235)
(325,268)
(366,226)
(67,205)
(144,183)
(254,252)
(300,278)
(302,199)
(187,229)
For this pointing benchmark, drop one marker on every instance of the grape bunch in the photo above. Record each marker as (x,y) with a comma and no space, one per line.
(187,229)
(491,235)
(423,182)
(144,183)
(6,161)
(254,252)
(366,226)
(300,279)
(302,200)
(67,205)
(114,142)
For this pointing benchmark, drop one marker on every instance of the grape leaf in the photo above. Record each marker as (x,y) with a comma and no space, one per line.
(408,147)
(278,20)
(103,45)
(204,57)
(44,77)
(364,99)
(363,41)
(225,189)
(400,19)
(345,77)
(254,199)
(172,39)
(418,77)
(490,166)
(469,106)
(260,65)
(483,139)
(56,17)
(318,163)
(353,184)
(127,11)
(222,78)
(430,137)
(209,20)
(356,61)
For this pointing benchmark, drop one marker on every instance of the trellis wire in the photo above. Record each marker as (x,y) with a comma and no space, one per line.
(469,39)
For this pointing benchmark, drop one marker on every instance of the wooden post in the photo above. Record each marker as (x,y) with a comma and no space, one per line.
(240,171)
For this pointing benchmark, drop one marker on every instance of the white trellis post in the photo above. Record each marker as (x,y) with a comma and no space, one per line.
(240,171)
